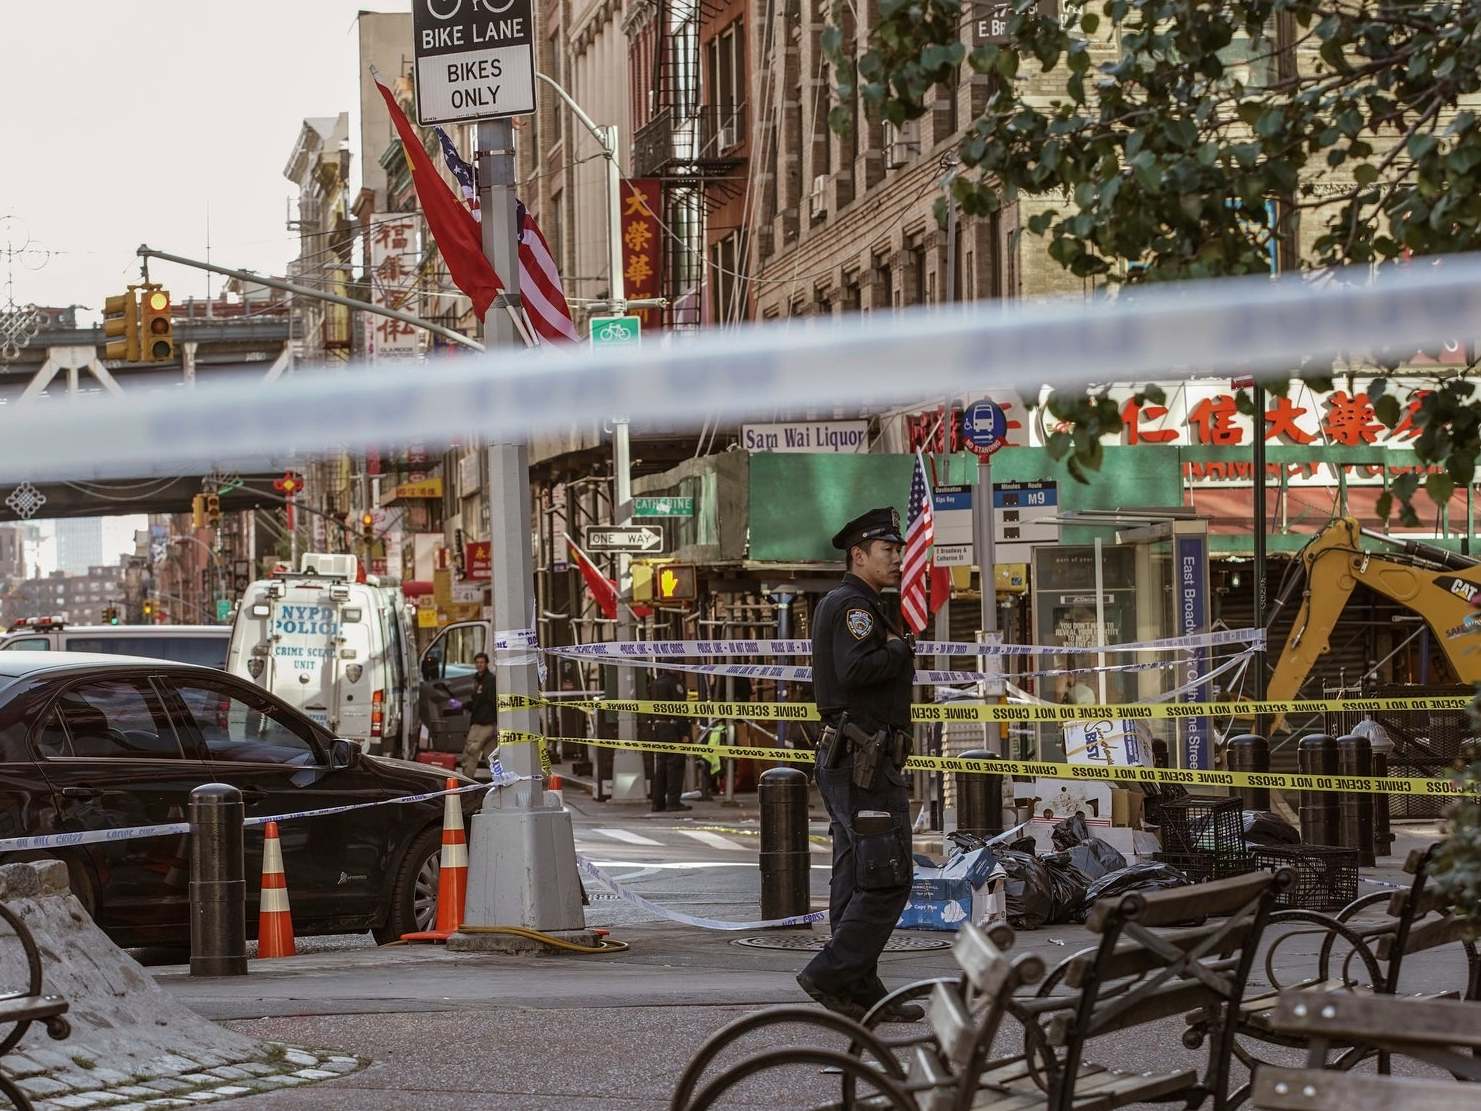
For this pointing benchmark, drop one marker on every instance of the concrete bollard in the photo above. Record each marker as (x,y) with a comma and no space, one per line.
(979,799)
(785,856)
(1250,753)
(1355,808)
(218,887)
(1317,755)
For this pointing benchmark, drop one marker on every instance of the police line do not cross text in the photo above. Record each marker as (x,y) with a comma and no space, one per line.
(475,59)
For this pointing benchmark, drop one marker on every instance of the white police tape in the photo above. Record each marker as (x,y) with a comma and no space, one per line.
(797,673)
(667,649)
(1241,325)
(130,833)
(658,910)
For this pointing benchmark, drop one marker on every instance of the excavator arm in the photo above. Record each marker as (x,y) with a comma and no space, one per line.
(1445,595)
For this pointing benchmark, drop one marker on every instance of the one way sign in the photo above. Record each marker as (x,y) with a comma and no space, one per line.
(635,539)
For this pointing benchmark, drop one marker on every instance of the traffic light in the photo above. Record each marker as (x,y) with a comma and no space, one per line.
(121,319)
(677,582)
(213,510)
(367,527)
(156,326)
(198,511)
(110,615)
(148,609)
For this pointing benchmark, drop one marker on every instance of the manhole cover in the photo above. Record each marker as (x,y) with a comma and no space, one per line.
(814,941)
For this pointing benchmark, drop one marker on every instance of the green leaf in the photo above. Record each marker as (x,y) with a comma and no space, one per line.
(1384,506)
(1089,22)
(1365,173)
(1439,487)
(1059,445)
(1386,409)
(1420,144)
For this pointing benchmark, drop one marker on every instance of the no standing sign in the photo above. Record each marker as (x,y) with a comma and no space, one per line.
(475,59)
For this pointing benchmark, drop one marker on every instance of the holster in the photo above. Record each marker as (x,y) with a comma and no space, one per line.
(834,745)
(869,749)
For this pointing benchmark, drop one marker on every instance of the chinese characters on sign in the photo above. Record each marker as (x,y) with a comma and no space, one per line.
(642,243)
(478,560)
(395,253)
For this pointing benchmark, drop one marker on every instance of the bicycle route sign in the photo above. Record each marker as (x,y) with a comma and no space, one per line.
(616,331)
(475,59)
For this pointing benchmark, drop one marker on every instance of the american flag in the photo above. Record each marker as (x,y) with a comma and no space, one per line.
(916,566)
(539,280)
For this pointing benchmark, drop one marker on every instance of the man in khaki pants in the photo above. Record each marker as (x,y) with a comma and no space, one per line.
(483,712)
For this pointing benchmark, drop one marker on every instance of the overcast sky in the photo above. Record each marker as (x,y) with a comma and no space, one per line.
(125,121)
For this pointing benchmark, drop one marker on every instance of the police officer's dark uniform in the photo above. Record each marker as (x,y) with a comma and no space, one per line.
(862,680)
(668,767)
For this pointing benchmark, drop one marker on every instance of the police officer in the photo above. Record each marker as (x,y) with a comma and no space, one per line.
(862,671)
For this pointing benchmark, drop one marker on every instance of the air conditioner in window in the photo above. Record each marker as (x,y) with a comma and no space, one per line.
(901,143)
(817,199)
(729,136)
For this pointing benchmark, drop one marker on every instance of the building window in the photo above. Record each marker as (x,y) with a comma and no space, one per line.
(725,115)
(727,279)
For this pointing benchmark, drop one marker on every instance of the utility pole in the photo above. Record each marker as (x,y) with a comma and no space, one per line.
(522,855)
(627,765)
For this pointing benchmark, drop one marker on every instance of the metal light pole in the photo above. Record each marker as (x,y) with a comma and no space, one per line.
(522,853)
(627,765)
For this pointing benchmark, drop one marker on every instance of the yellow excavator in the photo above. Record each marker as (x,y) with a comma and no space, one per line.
(1442,587)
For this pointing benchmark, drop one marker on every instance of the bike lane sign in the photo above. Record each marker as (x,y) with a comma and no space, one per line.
(616,331)
(475,59)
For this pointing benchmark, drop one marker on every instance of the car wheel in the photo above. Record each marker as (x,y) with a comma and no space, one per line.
(414,893)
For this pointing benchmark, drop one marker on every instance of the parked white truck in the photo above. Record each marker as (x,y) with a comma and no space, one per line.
(337,645)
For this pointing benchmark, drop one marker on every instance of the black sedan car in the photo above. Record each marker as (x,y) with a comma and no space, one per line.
(102,742)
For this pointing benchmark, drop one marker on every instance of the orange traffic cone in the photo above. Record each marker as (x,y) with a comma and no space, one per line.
(274,921)
(452,876)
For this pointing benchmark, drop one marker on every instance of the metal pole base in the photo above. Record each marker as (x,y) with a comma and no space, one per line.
(522,871)
(628,782)
(515,944)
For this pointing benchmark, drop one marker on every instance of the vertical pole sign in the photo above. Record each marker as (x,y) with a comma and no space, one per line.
(475,59)
(983,428)
(1191,570)
(475,62)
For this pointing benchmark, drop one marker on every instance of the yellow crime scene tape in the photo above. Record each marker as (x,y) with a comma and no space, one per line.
(1041,769)
(996,712)
(515,737)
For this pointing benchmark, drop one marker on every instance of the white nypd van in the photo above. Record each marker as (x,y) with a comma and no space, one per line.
(337,646)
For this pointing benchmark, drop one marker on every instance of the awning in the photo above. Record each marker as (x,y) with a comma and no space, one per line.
(417,588)
(1308,508)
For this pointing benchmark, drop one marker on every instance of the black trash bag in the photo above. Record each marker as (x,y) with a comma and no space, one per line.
(965,842)
(1095,858)
(1150,875)
(1025,845)
(1070,832)
(1029,890)
(1261,827)
(1068,886)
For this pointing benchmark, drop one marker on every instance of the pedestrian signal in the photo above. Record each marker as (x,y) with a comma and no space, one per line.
(156,326)
(121,320)
(676,582)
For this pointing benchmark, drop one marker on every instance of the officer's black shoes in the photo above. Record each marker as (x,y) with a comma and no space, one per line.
(849,1008)
(681,806)
(902,1012)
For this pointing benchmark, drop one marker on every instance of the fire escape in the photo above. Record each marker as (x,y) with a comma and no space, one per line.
(692,145)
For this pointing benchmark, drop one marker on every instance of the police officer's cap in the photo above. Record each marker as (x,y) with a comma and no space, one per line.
(877,524)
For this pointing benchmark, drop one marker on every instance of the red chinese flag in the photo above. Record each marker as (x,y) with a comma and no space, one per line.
(452,225)
(603,590)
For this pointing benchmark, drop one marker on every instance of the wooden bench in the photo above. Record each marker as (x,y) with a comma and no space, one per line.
(27,1006)
(1135,975)
(1416,920)
(1439,1032)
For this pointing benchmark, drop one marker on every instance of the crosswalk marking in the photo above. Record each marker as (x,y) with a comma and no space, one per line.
(714,840)
(627,835)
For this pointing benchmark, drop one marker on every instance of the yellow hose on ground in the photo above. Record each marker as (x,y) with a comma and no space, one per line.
(607,945)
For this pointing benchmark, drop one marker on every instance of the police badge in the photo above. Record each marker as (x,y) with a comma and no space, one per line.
(860,623)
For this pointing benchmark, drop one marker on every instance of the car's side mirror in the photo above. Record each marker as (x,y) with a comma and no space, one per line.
(344,754)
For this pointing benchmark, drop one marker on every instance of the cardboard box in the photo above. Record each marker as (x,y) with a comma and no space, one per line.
(1127,808)
(968,887)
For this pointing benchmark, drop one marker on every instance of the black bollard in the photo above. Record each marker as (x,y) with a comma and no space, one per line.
(785,857)
(979,799)
(1250,753)
(1316,755)
(218,888)
(1355,808)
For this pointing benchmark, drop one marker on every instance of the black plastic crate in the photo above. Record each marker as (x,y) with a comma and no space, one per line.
(1203,837)
(1202,867)
(1326,875)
